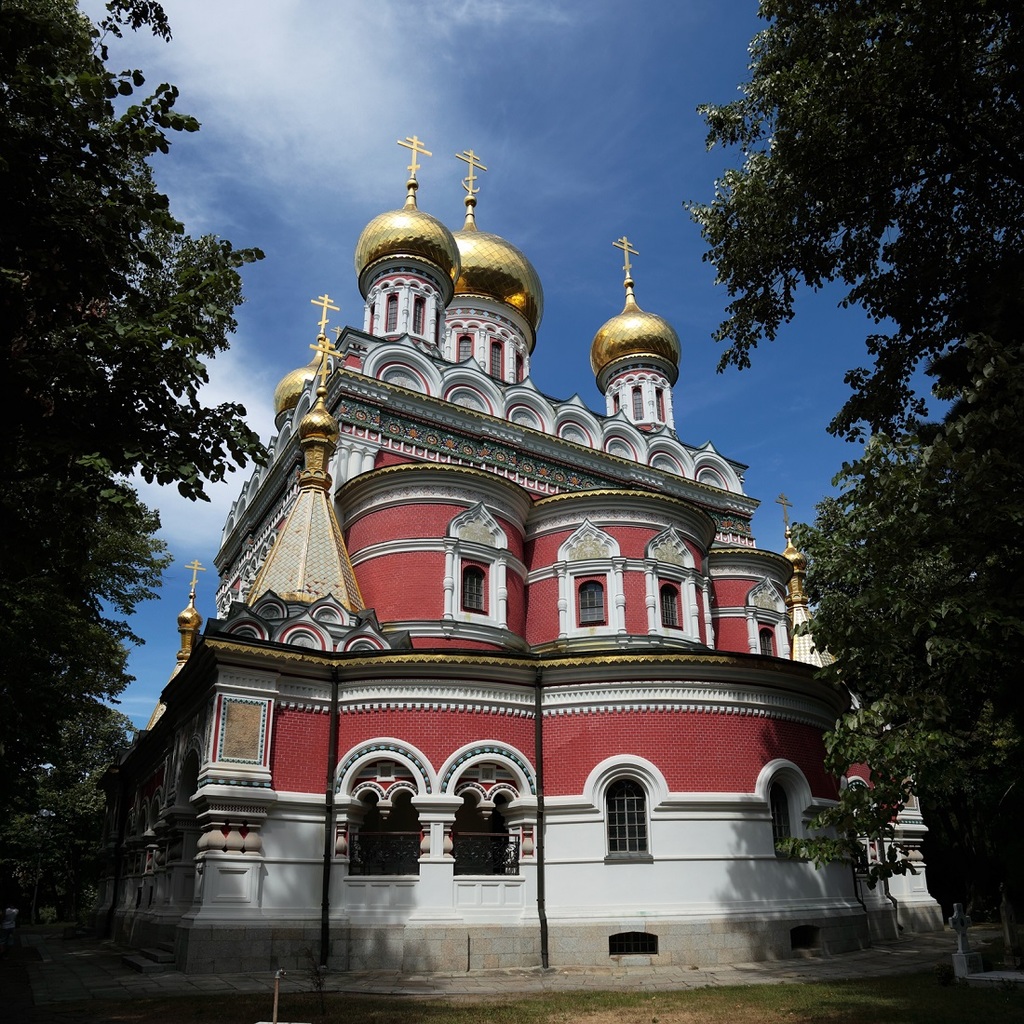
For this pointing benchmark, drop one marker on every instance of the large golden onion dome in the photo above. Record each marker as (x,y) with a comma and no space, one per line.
(496,269)
(635,335)
(289,390)
(406,232)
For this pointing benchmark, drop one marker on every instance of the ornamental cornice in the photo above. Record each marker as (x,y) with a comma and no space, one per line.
(668,696)
(727,562)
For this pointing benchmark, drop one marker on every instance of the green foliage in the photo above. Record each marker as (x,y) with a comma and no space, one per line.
(915,571)
(108,314)
(50,845)
(881,145)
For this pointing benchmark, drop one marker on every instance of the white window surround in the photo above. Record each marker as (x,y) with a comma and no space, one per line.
(766,609)
(590,554)
(669,560)
(798,794)
(475,537)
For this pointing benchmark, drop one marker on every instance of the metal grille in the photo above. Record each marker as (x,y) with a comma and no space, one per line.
(632,942)
(384,853)
(478,853)
(627,817)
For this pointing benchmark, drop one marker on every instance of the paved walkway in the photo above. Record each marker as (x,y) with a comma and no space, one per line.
(46,971)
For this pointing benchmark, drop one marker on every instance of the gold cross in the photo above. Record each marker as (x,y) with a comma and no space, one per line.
(325,303)
(324,347)
(417,147)
(786,506)
(469,157)
(624,244)
(196,570)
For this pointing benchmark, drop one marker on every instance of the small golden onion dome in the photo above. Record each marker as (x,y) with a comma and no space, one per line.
(406,232)
(795,558)
(634,335)
(289,390)
(496,269)
(318,423)
(189,618)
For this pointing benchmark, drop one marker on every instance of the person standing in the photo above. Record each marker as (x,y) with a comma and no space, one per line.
(10,919)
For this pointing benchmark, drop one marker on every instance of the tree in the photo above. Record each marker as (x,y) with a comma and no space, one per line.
(881,145)
(53,847)
(107,313)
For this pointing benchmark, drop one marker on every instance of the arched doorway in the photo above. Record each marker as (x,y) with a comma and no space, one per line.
(481,843)
(388,839)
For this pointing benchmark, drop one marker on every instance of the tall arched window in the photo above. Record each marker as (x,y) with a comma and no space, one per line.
(659,400)
(626,808)
(669,605)
(778,801)
(638,404)
(465,347)
(767,643)
(473,589)
(497,362)
(391,321)
(519,368)
(591,597)
(419,308)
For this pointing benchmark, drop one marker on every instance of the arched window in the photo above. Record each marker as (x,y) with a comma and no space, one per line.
(615,402)
(419,307)
(659,400)
(473,589)
(519,367)
(373,317)
(465,347)
(626,807)
(778,801)
(391,322)
(638,404)
(497,362)
(767,643)
(669,605)
(591,597)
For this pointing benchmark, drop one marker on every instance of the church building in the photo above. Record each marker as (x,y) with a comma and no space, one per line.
(496,680)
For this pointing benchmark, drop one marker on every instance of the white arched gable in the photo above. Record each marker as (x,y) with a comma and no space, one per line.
(306,635)
(477,526)
(710,460)
(526,397)
(665,449)
(588,542)
(574,416)
(670,548)
(385,748)
(400,364)
(625,766)
(463,379)
(766,597)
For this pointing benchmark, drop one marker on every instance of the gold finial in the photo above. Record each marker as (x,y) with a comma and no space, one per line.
(325,304)
(786,506)
(326,350)
(469,157)
(196,568)
(413,143)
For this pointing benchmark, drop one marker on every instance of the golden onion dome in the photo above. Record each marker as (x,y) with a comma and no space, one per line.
(289,390)
(318,424)
(189,618)
(792,555)
(406,232)
(496,269)
(633,335)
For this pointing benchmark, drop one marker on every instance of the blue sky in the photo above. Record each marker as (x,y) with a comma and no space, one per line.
(585,115)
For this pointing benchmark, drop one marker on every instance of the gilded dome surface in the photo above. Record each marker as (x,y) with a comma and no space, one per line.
(407,232)
(793,555)
(189,618)
(496,269)
(291,386)
(634,334)
(318,422)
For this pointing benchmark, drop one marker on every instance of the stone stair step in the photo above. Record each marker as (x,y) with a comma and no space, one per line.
(158,954)
(142,964)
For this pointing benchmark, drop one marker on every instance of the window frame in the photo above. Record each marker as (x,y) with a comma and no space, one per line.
(627,823)
(591,613)
(781,815)
(419,314)
(391,313)
(496,362)
(766,638)
(669,597)
(477,573)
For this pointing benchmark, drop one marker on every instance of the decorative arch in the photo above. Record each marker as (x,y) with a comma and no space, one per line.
(781,778)
(478,526)
(474,753)
(385,748)
(622,766)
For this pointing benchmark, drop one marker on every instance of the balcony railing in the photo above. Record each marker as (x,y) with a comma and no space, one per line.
(481,853)
(384,853)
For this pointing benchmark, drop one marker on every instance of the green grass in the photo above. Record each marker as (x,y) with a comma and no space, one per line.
(906,999)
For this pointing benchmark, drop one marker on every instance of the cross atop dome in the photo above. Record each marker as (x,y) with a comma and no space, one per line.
(415,145)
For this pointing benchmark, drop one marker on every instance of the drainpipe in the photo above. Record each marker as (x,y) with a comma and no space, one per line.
(332,759)
(538,745)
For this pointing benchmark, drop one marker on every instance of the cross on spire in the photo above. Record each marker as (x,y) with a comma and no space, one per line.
(469,157)
(326,350)
(325,304)
(627,247)
(413,143)
(196,568)
(786,506)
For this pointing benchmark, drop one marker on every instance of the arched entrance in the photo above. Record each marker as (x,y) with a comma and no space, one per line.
(388,839)
(481,844)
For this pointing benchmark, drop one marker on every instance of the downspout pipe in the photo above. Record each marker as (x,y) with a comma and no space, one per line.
(538,746)
(332,760)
